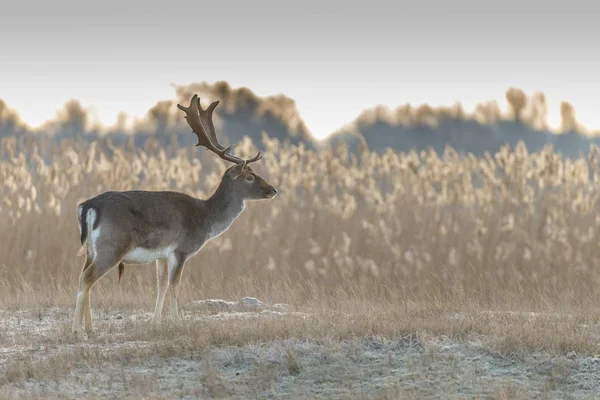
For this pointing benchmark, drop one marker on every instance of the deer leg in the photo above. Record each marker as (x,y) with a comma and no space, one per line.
(175,266)
(82,296)
(162,282)
(104,262)
(89,279)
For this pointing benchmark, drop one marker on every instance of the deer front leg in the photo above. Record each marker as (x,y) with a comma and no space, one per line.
(162,282)
(175,266)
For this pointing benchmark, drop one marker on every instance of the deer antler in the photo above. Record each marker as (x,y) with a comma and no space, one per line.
(201,123)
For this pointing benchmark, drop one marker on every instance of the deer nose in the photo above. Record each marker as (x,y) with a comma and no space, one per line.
(271,192)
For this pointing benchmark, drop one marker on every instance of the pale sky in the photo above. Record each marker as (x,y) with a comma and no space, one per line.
(334,58)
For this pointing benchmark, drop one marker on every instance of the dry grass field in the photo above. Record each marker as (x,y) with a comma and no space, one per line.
(380,276)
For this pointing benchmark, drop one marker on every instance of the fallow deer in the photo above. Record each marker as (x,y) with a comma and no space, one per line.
(139,227)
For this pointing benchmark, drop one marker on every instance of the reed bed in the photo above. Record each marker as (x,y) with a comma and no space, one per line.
(506,230)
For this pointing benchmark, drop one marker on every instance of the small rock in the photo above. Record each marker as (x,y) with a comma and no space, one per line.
(251,301)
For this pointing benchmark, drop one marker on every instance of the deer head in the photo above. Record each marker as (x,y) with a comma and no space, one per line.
(242,178)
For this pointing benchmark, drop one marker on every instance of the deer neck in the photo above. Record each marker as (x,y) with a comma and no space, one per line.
(223,207)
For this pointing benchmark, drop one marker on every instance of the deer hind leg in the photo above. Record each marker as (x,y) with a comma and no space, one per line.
(175,267)
(81,296)
(105,260)
(162,282)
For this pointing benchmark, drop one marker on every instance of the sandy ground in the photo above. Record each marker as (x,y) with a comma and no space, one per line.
(39,359)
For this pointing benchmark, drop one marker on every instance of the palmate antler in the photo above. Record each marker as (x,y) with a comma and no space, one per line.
(201,123)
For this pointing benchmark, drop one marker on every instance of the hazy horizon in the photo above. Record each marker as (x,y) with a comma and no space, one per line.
(242,114)
(534,110)
(335,59)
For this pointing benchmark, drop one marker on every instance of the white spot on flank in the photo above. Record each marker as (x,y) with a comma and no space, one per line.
(140,255)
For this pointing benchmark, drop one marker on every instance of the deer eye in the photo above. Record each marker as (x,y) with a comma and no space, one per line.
(250,178)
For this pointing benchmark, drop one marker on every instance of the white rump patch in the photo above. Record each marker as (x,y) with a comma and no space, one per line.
(140,255)
(94,234)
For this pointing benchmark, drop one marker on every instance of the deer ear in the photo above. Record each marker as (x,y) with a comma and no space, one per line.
(236,170)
